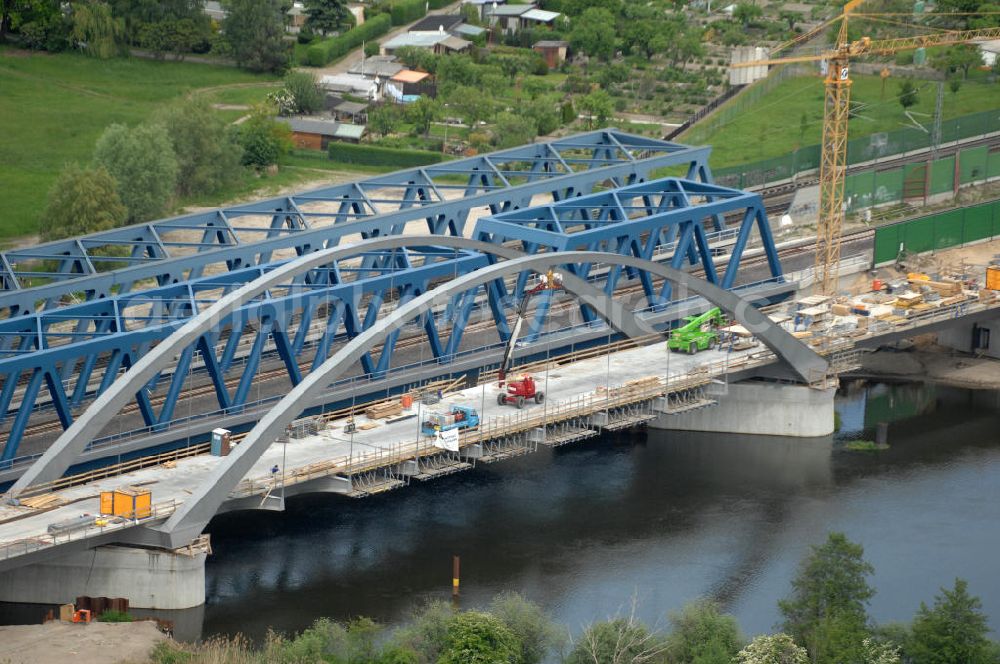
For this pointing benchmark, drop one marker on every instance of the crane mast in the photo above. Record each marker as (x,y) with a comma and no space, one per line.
(836,112)
(832,171)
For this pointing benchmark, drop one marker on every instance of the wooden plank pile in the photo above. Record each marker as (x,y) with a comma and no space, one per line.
(383,409)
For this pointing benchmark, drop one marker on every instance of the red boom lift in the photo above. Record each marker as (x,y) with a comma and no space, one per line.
(524,388)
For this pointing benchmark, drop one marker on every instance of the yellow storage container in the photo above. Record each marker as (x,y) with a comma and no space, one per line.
(107,503)
(993,277)
(128,503)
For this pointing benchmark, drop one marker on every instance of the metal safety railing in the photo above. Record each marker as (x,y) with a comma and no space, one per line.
(102,525)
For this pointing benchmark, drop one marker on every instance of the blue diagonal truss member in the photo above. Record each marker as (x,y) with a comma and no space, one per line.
(178,249)
(66,449)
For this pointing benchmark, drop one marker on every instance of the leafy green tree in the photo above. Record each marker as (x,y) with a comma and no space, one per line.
(99,32)
(640,35)
(454,71)
(207,151)
(790,17)
(953,630)
(81,201)
(827,609)
(142,162)
(427,633)
(177,36)
(567,112)
(305,91)
(593,33)
(422,113)
(703,634)
(326,16)
(511,64)
(471,104)
(874,652)
(578,7)
(514,129)
(618,641)
(908,94)
(418,58)
(479,638)
(41,23)
(772,649)
(545,114)
(383,119)
(958,58)
(598,106)
(747,12)
(530,624)
(264,139)
(254,31)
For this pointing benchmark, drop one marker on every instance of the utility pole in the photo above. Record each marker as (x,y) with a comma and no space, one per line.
(936,135)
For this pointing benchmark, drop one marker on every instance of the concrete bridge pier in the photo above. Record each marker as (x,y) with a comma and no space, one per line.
(150,578)
(759,408)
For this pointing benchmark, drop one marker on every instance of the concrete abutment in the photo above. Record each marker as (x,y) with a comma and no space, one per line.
(759,408)
(149,578)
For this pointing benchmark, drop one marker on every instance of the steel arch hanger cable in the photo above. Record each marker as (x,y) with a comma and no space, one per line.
(195,513)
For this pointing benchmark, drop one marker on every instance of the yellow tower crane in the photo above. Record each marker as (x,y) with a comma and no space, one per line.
(833,151)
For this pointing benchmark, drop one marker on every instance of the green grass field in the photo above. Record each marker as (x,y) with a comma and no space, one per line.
(54,108)
(773,126)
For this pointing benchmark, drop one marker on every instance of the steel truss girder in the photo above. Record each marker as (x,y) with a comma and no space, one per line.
(85,367)
(164,252)
(201,332)
(639,220)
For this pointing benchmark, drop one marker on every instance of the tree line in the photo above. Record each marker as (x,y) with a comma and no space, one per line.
(825,621)
(138,173)
(252,32)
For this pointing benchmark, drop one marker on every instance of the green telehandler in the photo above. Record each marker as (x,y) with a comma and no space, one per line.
(698,332)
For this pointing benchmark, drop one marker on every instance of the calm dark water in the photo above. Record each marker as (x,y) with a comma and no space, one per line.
(666,517)
(663,516)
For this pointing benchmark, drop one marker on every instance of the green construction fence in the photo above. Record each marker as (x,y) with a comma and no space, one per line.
(937,231)
(922,179)
(860,150)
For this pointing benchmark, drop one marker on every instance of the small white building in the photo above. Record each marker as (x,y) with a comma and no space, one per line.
(989,51)
(351,84)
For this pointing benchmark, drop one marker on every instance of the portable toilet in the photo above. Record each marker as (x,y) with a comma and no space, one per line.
(220,442)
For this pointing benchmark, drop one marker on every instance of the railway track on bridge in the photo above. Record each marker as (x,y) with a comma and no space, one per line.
(777,200)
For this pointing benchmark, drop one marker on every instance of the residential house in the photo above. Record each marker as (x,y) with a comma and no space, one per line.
(439,42)
(436,23)
(507,18)
(483,6)
(316,134)
(410,82)
(353,112)
(553,51)
(534,18)
(377,66)
(351,84)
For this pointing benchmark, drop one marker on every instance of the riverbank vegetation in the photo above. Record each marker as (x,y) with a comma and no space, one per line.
(825,621)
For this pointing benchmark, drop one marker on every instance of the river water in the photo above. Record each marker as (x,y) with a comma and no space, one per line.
(660,518)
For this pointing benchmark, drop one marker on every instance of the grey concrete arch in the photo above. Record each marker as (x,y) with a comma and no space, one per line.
(71,443)
(195,513)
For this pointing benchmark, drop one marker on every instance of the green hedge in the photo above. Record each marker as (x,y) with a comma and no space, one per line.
(407,11)
(370,155)
(438,4)
(329,50)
